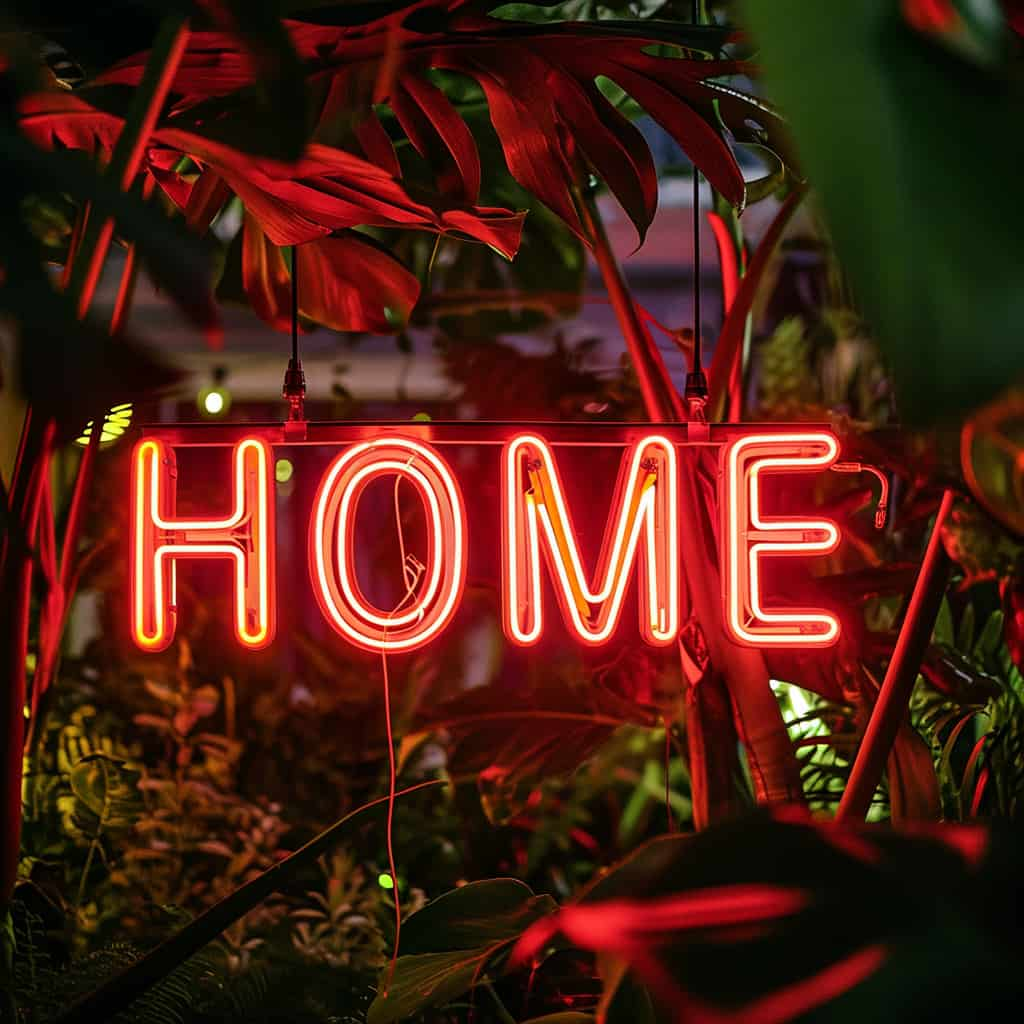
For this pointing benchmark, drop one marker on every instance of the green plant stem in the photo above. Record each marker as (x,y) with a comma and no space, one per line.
(126,158)
(900,675)
(120,991)
(503,1015)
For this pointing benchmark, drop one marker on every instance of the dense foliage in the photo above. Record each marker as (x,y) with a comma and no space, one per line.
(577,835)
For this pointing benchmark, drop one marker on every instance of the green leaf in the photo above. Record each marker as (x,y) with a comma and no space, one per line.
(943,632)
(430,979)
(908,144)
(107,797)
(474,915)
(446,947)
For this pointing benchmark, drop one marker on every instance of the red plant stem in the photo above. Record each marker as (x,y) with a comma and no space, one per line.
(661,399)
(130,148)
(125,291)
(15,608)
(729,349)
(727,262)
(900,675)
(49,638)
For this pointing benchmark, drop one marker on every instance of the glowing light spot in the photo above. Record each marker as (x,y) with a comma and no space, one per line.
(115,423)
(283,470)
(385,881)
(213,402)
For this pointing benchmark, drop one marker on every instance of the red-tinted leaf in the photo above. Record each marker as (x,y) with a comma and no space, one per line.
(52,118)
(439,134)
(1013,618)
(613,146)
(913,786)
(208,195)
(348,284)
(327,190)
(265,276)
(730,338)
(539,83)
(348,114)
(700,140)
(528,135)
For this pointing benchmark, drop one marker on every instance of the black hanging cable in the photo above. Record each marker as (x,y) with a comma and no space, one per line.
(294,389)
(696,393)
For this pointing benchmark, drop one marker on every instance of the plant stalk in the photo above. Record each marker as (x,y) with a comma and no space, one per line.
(661,399)
(891,706)
(15,610)
(727,360)
(121,990)
(126,159)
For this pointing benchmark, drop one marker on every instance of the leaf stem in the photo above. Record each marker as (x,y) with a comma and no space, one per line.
(891,706)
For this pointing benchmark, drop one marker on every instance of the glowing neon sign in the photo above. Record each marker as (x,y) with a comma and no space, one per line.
(160,541)
(423,611)
(543,536)
(646,501)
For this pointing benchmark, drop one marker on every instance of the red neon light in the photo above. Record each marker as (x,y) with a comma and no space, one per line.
(159,540)
(645,500)
(425,610)
(747,537)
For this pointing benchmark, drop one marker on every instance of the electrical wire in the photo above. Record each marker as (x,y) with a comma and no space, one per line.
(294,390)
(696,393)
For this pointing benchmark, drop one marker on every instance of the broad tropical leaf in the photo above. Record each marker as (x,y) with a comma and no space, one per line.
(540,83)
(449,945)
(739,922)
(351,284)
(939,280)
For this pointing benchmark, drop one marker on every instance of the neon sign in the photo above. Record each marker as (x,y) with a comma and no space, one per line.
(547,518)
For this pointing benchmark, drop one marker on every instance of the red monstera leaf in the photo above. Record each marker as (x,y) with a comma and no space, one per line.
(541,87)
(349,282)
(265,277)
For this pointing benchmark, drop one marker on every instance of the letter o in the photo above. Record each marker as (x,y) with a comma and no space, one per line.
(429,608)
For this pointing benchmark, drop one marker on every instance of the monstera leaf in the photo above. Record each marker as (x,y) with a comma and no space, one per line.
(351,283)
(741,922)
(544,86)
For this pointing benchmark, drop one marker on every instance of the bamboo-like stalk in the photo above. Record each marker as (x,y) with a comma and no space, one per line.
(756,715)
(15,608)
(661,399)
(126,158)
(120,991)
(729,349)
(891,706)
(89,246)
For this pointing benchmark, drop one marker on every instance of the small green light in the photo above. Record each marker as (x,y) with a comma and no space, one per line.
(385,881)
(283,470)
(421,417)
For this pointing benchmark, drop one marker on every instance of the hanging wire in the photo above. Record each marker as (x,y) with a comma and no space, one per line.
(294,390)
(696,393)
